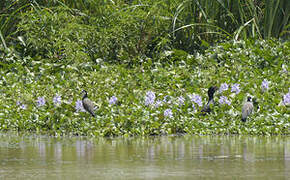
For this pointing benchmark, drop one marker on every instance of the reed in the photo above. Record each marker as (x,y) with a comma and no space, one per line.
(147,26)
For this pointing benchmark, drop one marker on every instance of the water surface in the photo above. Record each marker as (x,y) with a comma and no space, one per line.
(173,157)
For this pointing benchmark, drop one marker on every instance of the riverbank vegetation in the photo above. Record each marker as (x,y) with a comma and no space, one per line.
(146,65)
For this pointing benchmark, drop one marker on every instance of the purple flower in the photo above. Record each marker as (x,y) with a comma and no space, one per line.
(79,106)
(113,100)
(18,103)
(286,99)
(40,101)
(196,99)
(265,85)
(181,100)
(158,103)
(224,87)
(168,113)
(193,106)
(150,98)
(165,98)
(57,99)
(236,88)
(23,106)
(224,100)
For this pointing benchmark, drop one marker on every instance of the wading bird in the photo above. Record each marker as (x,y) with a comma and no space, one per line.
(210,92)
(247,109)
(87,104)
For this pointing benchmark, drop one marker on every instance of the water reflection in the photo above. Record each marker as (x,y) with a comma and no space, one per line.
(147,158)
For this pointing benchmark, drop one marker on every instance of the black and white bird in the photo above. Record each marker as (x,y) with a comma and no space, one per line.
(247,109)
(210,92)
(87,103)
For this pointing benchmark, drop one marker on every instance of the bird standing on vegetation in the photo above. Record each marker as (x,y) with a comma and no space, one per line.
(87,104)
(247,109)
(210,92)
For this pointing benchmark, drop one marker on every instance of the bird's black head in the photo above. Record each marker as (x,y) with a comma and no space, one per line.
(84,93)
(249,99)
(211,91)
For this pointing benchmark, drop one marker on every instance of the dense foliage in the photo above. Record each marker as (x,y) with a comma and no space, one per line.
(126,31)
(147,66)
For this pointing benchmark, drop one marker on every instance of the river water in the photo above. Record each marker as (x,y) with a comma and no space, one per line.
(168,157)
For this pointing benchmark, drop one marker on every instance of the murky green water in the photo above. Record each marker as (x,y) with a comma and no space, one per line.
(189,157)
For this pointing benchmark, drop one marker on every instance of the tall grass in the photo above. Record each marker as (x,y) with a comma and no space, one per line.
(276,21)
(214,19)
(145,27)
(9,17)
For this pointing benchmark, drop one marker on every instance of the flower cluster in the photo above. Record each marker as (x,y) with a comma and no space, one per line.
(286,99)
(168,113)
(181,100)
(158,103)
(113,100)
(40,101)
(224,87)
(57,99)
(224,100)
(196,99)
(21,105)
(265,85)
(236,88)
(150,98)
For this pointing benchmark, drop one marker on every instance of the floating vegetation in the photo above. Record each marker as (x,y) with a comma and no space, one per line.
(157,100)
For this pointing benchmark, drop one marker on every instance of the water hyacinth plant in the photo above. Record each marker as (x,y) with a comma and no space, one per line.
(166,99)
(40,101)
(158,103)
(236,88)
(193,107)
(168,113)
(224,100)
(181,100)
(23,106)
(224,87)
(18,103)
(57,99)
(196,99)
(113,100)
(150,98)
(265,85)
(286,99)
